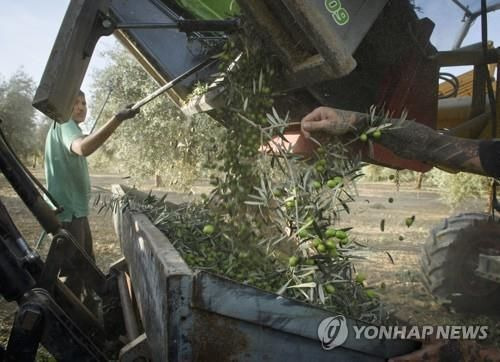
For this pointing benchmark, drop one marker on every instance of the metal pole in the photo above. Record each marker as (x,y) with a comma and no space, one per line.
(127,309)
(102,109)
(173,82)
(147,26)
(463,33)
(463,7)
(186,25)
(470,18)
(489,85)
(40,239)
(489,9)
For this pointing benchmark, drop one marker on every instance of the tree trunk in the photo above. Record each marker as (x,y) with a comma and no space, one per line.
(491,195)
(158,181)
(420,180)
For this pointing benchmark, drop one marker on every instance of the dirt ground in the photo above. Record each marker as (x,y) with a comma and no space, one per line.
(106,245)
(404,292)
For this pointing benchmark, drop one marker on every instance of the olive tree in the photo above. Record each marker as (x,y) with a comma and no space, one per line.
(160,140)
(17,114)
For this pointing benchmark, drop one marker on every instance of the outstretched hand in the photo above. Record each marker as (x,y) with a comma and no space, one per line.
(126,113)
(328,120)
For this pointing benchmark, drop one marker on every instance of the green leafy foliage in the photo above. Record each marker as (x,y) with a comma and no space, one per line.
(456,188)
(23,131)
(375,173)
(271,220)
(160,140)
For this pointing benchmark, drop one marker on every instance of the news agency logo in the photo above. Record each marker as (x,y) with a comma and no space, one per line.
(332,332)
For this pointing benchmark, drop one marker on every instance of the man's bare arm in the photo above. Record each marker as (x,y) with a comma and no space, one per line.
(85,146)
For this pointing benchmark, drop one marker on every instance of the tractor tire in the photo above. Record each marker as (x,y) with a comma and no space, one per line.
(450,257)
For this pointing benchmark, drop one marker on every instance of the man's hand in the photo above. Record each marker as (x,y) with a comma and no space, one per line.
(126,113)
(85,146)
(329,120)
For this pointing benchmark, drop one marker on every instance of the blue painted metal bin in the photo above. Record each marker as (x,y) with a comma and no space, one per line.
(190,315)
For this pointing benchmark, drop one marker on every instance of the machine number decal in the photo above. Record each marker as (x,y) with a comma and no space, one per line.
(339,14)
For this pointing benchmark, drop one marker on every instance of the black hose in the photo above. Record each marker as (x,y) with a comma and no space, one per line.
(453,81)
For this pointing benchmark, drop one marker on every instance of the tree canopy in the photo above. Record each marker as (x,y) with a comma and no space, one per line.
(160,140)
(18,116)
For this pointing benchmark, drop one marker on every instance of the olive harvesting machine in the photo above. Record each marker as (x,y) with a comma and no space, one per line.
(347,54)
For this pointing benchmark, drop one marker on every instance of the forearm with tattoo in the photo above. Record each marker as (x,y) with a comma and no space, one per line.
(407,139)
(411,140)
(347,121)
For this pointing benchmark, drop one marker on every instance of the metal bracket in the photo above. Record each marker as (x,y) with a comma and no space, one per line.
(137,350)
(64,329)
(63,247)
(101,28)
(183,25)
(26,333)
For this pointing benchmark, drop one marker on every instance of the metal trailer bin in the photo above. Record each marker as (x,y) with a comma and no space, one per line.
(189,314)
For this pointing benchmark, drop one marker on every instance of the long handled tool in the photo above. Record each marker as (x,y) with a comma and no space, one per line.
(173,82)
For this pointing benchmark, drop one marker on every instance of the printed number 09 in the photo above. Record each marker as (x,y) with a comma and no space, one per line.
(332,5)
(339,14)
(341,17)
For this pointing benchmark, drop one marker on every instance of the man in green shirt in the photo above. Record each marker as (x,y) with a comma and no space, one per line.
(67,175)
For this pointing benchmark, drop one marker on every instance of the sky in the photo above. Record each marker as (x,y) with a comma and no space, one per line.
(28,29)
(448,19)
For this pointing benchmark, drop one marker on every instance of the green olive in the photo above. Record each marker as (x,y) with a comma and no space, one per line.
(331,244)
(310,261)
(341,234)
(330,232)
(360,278)
(320,168)
(370,293)
(293,261)
(304,233)
(208,229)
(331,183)
(329,288)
